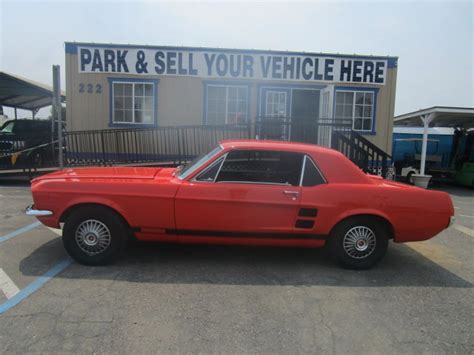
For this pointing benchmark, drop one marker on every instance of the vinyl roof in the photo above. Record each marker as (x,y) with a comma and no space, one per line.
(280,145)
(26,94)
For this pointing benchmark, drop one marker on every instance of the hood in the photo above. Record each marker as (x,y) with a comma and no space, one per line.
(103,173)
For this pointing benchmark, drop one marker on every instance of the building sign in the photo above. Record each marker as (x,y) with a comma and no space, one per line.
(232,65)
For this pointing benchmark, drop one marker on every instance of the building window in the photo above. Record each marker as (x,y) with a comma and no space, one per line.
(133,103)
(276,104)
(226,104)
(357,106)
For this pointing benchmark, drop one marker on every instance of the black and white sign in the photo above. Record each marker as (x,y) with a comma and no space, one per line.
(232,65)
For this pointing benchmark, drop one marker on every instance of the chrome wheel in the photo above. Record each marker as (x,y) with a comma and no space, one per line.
(93,237)
(359,242)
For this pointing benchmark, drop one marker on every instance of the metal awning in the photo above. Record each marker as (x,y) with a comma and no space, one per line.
(437,116)
(442,116)
(21,93)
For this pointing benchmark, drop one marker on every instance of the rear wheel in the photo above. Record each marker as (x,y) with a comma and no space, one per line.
(94,235)
(359,242)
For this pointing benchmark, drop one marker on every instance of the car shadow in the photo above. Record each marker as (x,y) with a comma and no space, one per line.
(202,264)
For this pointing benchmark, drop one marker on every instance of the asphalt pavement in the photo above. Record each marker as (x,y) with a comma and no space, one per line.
(207,299)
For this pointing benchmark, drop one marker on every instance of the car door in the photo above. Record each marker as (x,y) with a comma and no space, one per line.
(315,200)
(245,193)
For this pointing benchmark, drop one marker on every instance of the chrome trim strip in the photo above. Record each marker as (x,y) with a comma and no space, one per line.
(29,211)
(219,160)
(220,167)
(302,170)
(253,182)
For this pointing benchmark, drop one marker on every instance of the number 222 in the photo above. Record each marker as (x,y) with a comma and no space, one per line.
(89,88)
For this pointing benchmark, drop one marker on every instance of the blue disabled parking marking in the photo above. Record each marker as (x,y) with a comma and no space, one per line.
(19,231)
(35,285)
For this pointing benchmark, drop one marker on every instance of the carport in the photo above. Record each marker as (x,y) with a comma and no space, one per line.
(26,94)
(437,116)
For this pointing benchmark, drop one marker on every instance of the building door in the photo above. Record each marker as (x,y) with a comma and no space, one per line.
(326,117)
(274,123)
(304,115)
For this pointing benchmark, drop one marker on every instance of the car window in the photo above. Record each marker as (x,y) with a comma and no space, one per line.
(8,127)
(20,126)
(211,172)
(311,175)
(270,167)
(193,165)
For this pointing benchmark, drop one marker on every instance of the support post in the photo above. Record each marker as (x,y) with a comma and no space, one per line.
(426,125)
(16,116)
(58,111)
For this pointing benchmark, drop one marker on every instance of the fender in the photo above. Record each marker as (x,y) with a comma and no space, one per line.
(54,220)
(358,212)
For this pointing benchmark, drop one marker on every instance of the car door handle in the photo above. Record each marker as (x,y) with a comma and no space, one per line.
(288,192)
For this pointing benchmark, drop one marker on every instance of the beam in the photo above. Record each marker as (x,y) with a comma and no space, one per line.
(426,119)
(9,97)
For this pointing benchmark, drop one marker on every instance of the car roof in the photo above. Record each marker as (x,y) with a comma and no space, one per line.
(279,145)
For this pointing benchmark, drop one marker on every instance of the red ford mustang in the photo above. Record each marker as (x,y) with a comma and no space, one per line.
(241,192)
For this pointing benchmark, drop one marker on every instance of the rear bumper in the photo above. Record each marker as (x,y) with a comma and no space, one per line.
(31,211)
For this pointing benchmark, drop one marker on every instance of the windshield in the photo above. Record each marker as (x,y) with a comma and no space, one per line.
(8,127)
(190,167)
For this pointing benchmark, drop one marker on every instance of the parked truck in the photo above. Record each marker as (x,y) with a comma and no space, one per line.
(449,155)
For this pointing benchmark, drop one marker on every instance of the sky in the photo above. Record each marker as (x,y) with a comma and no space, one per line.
(433,40)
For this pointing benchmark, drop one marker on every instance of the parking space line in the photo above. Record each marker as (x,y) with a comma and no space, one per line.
(7,286)
(35,285)
(464,215)
(464,230)
(20,231)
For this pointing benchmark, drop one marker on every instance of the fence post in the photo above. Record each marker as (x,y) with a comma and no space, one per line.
(384,166)
(179,146)
(58,111)
(102,147)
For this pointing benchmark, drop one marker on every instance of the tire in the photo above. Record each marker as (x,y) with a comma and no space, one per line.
(94,235)
(409,177)
(353,252)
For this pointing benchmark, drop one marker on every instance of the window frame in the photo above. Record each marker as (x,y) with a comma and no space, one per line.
(307,157)
(194,169)
(219,160)
(270,104)
(250,182)
(226,86)
(112,82)
(356,91)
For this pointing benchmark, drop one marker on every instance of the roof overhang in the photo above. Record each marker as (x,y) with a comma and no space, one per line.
(22,93)
(442,116)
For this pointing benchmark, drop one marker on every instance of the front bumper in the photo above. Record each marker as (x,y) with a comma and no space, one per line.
(30,211)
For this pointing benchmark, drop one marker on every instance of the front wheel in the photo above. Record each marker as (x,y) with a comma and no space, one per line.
(94,235)
(359,243)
